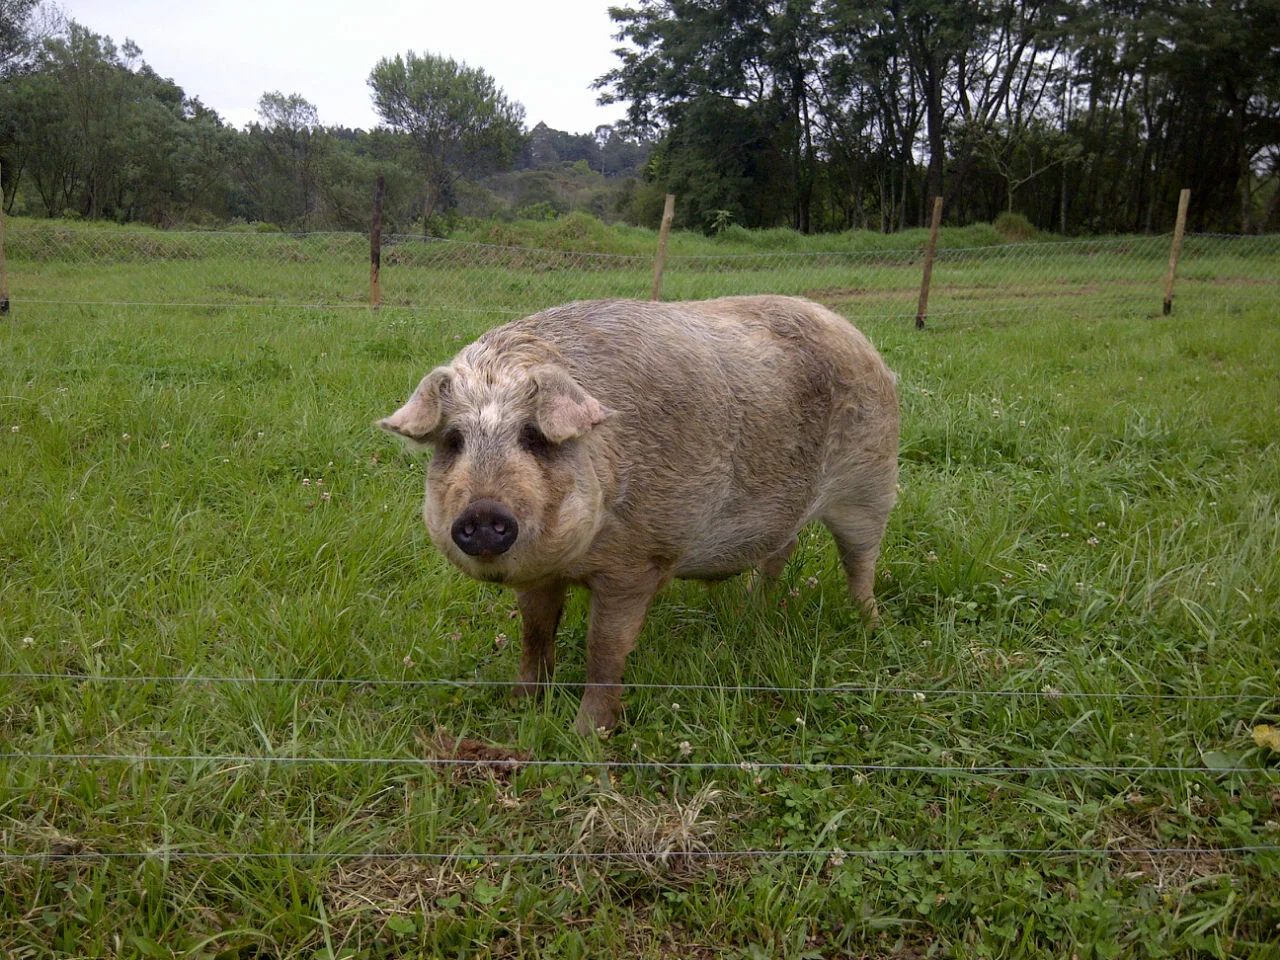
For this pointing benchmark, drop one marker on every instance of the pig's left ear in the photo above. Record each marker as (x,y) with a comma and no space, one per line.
(419,418)
(564,409)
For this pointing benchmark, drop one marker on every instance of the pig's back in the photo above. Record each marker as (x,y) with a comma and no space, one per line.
(727,411)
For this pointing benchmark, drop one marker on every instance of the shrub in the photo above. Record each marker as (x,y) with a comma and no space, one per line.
(578,231)
(1014,227)
(542,210)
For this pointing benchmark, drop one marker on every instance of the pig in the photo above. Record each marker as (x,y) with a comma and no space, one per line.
(617,444)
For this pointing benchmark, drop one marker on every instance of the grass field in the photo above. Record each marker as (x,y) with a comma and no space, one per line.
(867,276)
(1090,511)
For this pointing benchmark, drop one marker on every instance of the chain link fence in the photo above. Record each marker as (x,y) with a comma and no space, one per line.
(59,264)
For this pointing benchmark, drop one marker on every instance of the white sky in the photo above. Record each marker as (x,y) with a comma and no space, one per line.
(229,52)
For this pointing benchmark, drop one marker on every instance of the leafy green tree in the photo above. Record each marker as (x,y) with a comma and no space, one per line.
(96,132)
(90,76)
(457,117)
(282,167)
(721,157)
(620,155)
(23,27)
(180,163)
(67,113)
(765,57)
(874,119)
(1221,62)
(43,150)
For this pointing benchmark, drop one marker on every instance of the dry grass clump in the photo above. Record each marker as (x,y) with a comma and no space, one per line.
(392,887)
(658,838)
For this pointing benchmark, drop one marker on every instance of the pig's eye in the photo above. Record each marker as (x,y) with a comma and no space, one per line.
(534,441)
(451,443)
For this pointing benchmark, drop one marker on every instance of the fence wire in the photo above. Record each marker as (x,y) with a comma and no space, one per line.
(745,766)
(59,266)
(70,265)
(1047,693)
(835,855)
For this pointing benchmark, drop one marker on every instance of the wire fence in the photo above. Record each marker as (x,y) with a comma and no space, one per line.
(69,265)
(57,266)
(833,854)
(846,689)
(745,766)
(1255,772)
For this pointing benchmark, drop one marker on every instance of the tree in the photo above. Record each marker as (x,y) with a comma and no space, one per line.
(23,27)
(457,116)
(73,104)
(1022,155)
(876,112)
(761,55)
(720,157)
(36,115)
(286,150)
(1222,64)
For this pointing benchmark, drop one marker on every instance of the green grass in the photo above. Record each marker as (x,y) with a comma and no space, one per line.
(867,276)
(579,231)
(1091,504)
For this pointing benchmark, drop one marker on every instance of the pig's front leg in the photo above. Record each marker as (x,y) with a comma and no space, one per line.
(618,609)
(540,609)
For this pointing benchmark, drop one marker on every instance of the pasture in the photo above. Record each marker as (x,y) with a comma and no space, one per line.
(1045,750)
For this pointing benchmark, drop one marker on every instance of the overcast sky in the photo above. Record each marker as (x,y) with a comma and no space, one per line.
(229,52)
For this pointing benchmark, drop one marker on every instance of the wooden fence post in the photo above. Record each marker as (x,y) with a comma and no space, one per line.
(1184,199)
(922,308)
(668,211)
(375,246)
(4,267)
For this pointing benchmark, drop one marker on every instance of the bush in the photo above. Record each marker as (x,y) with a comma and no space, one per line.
(498,234)
(542,210)
(578,231)
(1014,227)
(643,206)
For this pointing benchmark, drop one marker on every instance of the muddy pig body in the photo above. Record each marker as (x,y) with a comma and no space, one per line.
(618,444)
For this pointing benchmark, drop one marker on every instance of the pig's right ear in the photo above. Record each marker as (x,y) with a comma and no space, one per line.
(420,417)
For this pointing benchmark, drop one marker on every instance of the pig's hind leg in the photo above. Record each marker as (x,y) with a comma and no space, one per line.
(858,526)
(773,565)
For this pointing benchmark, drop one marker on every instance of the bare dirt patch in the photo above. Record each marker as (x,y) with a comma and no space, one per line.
(1241,282)
(474,757)
(1136,828)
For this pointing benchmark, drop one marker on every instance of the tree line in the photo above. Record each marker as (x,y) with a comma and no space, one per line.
(1083,117)
(89,130)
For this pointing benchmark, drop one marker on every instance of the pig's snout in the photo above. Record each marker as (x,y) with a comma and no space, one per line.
(485,529)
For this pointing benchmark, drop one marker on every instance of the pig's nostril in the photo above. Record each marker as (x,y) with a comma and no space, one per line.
(485,529)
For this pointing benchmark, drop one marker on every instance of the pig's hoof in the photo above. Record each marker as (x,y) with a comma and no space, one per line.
(596,723)
(530,688)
